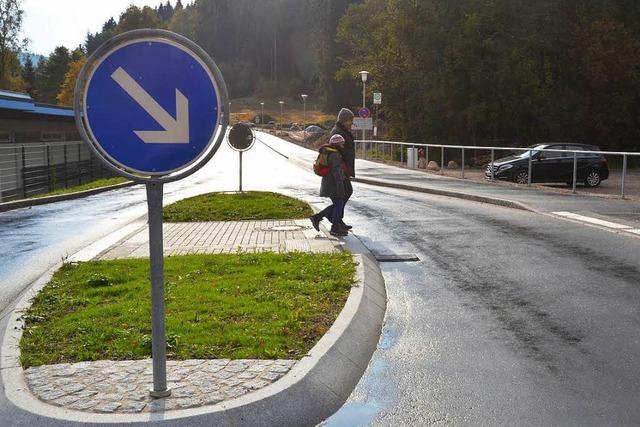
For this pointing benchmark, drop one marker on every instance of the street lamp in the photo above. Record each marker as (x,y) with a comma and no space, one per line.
(304,120)
(364,75)
(262,113)
(282,111)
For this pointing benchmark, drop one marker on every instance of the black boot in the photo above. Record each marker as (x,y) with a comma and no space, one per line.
(338,230)
(315,221)
(345,226)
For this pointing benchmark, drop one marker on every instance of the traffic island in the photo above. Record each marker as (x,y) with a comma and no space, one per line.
(247,206)
(246,378)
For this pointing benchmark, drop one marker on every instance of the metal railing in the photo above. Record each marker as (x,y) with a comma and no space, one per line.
(30,169)
(375,147)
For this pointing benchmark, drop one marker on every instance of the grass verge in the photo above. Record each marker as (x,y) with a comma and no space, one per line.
(235,306)
(247,206)
(84,187)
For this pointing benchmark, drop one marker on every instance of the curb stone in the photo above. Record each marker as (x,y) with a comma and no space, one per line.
(313,390)
(465,196)
(26,203)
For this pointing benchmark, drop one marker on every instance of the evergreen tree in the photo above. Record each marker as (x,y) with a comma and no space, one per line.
(51,73)
(29,77)
(168,12)
(94,41)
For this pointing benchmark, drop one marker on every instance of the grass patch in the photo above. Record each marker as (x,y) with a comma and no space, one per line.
(260,306)
(84,187)
(247,206)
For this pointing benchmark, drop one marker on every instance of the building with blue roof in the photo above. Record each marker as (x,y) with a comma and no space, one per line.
(23,120)
(41,149)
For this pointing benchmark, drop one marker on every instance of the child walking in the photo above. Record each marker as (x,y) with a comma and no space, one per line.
(334,186)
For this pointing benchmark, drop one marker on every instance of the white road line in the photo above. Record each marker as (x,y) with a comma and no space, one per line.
(594,221)
(636,231)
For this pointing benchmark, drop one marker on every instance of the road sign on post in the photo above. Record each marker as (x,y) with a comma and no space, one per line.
(362,124)
(153,107)
(364,113)
(241,138)
(377,98)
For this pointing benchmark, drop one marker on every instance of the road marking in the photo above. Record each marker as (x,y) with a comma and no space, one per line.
(636,231)
(594,221)
(176,131)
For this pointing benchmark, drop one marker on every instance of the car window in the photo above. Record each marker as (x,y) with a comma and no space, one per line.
(525,154)
(553,154)
(580,148)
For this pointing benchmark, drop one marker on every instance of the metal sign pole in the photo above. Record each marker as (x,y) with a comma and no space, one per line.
(156,257)
(240,152)
(178,148)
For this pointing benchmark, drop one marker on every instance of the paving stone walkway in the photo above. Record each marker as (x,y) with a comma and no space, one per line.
(226,237)
(123,387)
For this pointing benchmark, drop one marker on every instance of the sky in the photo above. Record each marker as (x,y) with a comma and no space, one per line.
(51,23)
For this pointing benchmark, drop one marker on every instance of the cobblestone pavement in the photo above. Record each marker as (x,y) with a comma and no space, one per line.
(226,237)
(123,387)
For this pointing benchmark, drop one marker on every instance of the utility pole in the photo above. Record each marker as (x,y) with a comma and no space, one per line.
(262,113)
(304,120)
(364,75)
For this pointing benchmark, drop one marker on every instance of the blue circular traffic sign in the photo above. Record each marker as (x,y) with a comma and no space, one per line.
(152,104)
(364,113)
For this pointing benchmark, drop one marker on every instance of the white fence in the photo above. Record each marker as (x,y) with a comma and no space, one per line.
(34,168)
(372,148)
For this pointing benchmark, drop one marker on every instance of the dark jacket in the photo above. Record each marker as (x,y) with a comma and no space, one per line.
(333,185)
(349,151)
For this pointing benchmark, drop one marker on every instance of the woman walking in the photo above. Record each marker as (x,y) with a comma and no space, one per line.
(343,128)
(334,186)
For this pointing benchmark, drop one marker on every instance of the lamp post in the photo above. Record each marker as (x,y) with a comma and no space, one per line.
(282,111)
(304,120)
(364,75)
(262,113)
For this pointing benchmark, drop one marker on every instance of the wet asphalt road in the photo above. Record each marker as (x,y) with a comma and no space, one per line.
(509,317)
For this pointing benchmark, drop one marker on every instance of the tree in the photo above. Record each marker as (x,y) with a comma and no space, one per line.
(10,44)
(184,22)
(135,18)
(66,94)
(94,41)
(51,74)
(168,11)
(29,77)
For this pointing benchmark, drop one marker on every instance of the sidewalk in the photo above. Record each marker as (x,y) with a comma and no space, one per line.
(624,212)
(225,237)
(537,199)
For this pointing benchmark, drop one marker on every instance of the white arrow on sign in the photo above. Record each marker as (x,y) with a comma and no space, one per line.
(176,131)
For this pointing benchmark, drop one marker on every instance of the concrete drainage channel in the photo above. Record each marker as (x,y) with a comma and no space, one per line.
(381,257)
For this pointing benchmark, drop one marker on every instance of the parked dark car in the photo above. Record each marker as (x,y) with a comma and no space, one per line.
(551,166)
(314,129)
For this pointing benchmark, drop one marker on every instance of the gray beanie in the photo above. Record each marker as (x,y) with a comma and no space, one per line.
(345,115)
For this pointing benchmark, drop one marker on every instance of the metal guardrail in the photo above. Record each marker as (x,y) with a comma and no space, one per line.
(531,150)
(33,168)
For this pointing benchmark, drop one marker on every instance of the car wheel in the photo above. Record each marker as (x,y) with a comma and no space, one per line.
(521,177)
(593,179)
